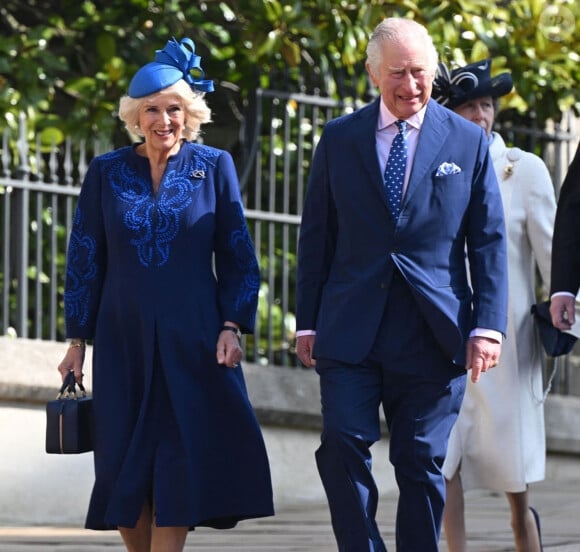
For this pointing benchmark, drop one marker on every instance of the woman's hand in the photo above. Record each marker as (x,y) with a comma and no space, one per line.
(229,349)
(73,360)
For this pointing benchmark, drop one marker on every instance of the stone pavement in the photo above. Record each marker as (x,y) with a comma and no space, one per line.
(43,497)
(306,527)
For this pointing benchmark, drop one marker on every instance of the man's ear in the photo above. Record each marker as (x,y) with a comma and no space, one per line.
(371,74)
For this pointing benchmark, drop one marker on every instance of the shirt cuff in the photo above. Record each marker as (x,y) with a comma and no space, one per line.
(491,334)
(300,333)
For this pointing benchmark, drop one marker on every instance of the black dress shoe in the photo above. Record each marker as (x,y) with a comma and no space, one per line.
(537,520)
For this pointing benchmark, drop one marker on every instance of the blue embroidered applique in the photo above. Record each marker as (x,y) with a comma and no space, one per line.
(155,220)
(81,269)
(241,243)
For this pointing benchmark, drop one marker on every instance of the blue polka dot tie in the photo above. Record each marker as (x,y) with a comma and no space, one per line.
(395,170)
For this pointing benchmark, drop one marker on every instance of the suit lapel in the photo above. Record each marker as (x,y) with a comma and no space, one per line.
(433,135)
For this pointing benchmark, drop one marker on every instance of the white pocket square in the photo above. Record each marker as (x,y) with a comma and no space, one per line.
(447,168)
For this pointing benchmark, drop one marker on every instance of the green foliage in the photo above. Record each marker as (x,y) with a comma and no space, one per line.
(275,330)
(74,60)
(66,64)
(535,40)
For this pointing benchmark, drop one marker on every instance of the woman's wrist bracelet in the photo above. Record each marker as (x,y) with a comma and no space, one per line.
(74,343)
(237,331)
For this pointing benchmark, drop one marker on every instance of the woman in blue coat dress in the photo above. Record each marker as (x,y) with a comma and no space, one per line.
(162,275)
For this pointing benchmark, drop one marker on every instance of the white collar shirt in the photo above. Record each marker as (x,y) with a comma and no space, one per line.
(386,132)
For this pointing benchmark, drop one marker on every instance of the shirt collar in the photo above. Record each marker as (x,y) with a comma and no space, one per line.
(386,118)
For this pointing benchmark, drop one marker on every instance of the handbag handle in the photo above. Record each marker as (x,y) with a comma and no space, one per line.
(68,389)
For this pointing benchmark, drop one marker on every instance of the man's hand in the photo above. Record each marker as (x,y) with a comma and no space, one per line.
(482,354)
(304,347)
(562,311)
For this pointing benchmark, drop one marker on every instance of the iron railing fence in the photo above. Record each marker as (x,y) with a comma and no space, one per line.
(287,129)
(39,185)
(38,190)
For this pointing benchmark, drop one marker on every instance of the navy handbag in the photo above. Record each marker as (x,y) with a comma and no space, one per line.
(69,420)
(554,341)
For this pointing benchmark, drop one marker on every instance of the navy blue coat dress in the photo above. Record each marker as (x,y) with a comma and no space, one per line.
(151,278)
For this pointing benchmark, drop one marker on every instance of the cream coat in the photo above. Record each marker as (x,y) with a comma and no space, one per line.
(499,438)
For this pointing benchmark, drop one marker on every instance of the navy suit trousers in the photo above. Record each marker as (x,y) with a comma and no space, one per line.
(420,391)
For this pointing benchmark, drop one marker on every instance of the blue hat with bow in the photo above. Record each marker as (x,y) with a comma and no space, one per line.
(176,61)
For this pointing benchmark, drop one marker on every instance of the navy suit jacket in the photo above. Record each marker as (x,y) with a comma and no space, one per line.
(349,246)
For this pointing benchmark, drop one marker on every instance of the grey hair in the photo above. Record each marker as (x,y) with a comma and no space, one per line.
(197,112)
(398,29)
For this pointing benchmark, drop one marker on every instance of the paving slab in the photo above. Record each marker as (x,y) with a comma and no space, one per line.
(306,527)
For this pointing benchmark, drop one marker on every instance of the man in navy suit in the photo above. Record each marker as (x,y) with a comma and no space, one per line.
(394,308)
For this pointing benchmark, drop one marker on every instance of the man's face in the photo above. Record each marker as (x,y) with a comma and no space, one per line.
(404,76)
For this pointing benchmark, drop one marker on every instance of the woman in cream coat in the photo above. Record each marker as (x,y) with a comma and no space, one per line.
(498,442)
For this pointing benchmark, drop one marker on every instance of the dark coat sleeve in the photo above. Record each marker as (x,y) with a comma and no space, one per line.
(566,240)
(86,258)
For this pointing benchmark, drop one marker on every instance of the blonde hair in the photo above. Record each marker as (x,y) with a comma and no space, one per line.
(398,29)
(197,112)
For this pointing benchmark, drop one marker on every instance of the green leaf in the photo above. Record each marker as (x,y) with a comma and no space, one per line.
(50,137)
